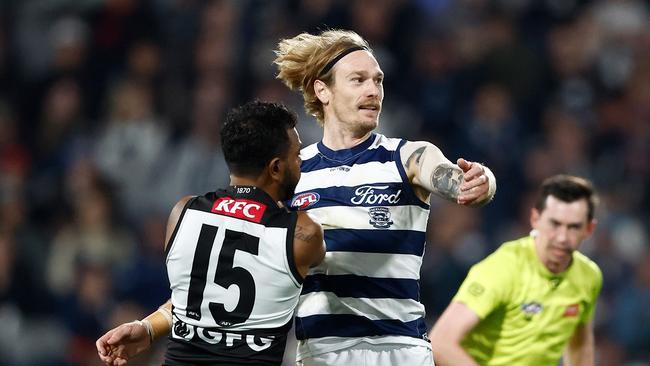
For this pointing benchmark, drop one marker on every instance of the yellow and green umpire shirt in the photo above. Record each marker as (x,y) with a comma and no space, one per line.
(527,312)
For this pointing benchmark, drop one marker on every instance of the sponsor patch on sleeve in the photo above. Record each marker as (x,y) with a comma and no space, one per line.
(476,289)
(571,310)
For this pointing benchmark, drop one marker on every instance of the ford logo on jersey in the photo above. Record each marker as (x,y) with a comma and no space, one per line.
(304,200)
(375,195)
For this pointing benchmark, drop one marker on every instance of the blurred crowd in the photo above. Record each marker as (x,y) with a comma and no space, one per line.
(110,111)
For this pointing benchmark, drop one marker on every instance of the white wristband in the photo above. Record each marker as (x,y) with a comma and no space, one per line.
(147,325)
(167,314)
(492,183)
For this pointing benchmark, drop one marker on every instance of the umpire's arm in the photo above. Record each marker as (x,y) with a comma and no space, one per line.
(580,350)
(450,329)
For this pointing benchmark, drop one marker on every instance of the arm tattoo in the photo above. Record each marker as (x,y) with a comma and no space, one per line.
(300,233)
(416,155)
(446,181)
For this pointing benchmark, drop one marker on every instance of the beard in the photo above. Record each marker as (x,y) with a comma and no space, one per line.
(288,185)
(367,125)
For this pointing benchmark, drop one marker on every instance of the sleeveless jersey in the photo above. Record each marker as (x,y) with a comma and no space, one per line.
(367,288)
(233,279)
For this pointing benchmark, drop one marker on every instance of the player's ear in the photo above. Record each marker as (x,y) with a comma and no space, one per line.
(275,168)
(534,217)
(322,91)
(591,226)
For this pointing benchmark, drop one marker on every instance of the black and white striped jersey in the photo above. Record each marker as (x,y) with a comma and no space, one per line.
(233,279)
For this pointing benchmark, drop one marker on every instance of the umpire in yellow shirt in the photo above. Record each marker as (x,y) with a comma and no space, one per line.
(522,304)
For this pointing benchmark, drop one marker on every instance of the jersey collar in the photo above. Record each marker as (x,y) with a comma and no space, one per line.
(345,154)
(251,192)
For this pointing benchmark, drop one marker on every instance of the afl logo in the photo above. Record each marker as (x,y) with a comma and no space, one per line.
(530,309)
(304,200)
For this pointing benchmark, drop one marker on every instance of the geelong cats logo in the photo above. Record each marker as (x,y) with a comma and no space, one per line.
(380,217)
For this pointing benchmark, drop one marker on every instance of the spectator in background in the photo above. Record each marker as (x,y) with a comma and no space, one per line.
(23,255)
(195,162)
(129,147)
(458,242)
(491,129)
(62,137)
(91,237)
(630,314)
(139,282)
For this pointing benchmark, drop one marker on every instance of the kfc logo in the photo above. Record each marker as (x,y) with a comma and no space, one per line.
(239,208)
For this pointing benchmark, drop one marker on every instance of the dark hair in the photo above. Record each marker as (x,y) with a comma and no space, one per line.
(568,188)
(255,133)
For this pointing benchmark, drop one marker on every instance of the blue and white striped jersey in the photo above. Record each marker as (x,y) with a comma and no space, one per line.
(367,288)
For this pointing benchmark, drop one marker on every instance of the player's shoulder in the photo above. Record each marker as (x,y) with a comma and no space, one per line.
(499,264)
(309,151)
(510,257)
(511,252)
(204,202)
(517,247)
(408,147)
(410,144)
(388,143)
(587,268)
(496,270)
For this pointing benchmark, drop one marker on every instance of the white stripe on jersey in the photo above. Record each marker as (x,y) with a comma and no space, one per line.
(356,217)
(317,303)
(357,175)
(377,265)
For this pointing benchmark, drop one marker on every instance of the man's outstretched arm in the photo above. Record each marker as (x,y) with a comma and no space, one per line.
(430,172)
(128,340)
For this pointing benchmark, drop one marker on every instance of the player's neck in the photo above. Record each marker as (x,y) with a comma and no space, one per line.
(338,137)
(238,180)
(556,267)
(259,182)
